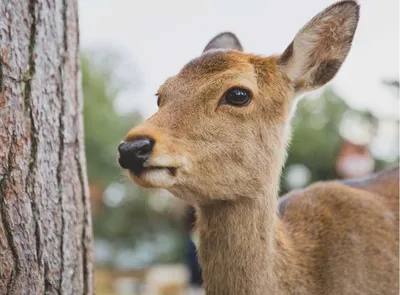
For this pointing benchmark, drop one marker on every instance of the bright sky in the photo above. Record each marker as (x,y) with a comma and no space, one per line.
(161,36)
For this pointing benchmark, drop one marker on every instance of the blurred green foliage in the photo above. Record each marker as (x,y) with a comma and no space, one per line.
(315,139)
(126,220)
(104,127)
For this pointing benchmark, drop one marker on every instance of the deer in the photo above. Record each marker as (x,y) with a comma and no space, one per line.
(219,141)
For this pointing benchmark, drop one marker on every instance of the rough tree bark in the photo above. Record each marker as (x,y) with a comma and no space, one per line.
(45,227)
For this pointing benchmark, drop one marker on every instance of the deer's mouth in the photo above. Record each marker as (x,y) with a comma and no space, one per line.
(159,171)
(171,170)
(156,176)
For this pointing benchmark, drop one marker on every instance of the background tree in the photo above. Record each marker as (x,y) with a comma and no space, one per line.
(45,224)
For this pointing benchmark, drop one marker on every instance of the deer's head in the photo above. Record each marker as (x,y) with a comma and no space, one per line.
(221,129)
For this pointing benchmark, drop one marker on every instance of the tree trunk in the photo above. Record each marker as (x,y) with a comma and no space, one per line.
(45,225)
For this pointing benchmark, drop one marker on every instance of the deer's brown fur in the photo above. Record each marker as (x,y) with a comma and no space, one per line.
(333,238)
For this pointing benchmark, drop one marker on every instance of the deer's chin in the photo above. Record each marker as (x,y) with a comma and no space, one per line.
(155,177)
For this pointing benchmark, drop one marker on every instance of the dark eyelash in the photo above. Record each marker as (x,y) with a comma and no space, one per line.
(158,99)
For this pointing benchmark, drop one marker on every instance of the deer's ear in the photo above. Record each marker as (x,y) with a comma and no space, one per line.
(224,40)
(321,46)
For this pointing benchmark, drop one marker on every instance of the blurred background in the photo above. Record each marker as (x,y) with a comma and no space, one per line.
(348,129)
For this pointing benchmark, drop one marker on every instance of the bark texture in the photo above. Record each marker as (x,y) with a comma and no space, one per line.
(45,226)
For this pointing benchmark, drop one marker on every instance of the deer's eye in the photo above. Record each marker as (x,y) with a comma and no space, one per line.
(237,97)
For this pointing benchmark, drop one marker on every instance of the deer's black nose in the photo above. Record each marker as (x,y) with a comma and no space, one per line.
(133,154)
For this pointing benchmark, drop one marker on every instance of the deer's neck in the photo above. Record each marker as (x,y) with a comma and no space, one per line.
(238,247)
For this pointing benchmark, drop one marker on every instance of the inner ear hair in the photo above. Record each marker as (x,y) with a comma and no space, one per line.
(321,46)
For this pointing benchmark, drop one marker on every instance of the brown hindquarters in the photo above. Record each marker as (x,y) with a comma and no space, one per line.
(384,184)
